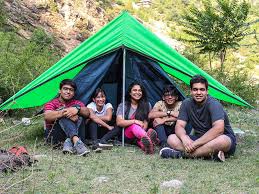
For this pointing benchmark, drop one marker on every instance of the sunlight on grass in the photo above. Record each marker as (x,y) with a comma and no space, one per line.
(128,170)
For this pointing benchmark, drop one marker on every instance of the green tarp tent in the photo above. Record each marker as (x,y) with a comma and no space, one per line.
(123,32)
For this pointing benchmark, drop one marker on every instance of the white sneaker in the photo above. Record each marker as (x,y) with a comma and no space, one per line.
(105,145)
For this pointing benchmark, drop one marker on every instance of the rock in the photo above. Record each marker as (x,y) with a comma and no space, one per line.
(238,132)
(16,122)
(101,179)
(172,184)
(2,120)
(37,157)
(26,121)
(58,18)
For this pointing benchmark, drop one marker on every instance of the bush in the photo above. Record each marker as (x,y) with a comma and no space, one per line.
(40,38)
(240,82)
(2,14)
(243,85)
(21,60)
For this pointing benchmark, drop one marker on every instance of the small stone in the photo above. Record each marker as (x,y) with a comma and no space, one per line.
(16,122)
(101,179)
(2,120)
(172,184)
(238,131)
(26,121)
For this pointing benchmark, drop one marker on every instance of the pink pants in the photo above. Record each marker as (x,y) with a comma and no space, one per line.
(135,130)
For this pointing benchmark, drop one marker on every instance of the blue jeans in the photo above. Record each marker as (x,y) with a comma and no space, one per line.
(163,131)
(69,127)
(65,128)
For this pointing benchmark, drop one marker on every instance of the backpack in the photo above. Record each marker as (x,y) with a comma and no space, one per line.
(14,159)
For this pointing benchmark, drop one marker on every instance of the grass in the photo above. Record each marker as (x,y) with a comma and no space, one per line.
(128,170)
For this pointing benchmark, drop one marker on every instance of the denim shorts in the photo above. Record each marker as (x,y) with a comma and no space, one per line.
(232,148)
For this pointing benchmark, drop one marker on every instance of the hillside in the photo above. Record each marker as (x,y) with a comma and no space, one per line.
(71,22)
(68,23)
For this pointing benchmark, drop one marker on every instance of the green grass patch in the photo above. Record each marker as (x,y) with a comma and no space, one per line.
(128,170)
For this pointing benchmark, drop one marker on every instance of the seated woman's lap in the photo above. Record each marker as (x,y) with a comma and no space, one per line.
(135,131)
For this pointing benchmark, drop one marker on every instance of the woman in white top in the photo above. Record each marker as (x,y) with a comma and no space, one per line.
(104,111)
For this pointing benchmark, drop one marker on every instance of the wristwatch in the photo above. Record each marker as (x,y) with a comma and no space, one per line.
(78,107)
(168,113)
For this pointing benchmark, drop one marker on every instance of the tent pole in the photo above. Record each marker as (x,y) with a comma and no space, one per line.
(123,90)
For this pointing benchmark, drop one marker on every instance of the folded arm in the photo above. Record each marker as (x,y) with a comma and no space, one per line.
(156,114)
(52,115)
(126,123)
(98,120)
(108,116)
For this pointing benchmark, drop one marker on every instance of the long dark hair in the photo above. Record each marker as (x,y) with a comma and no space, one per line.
(143,105)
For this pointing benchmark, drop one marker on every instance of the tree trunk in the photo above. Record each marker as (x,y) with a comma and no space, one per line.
(210,61)
(222,59)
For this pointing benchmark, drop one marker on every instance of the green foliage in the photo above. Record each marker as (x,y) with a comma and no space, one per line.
(105,4)
(40,38)
(53,5)
(128,170)
(154,189)
(240,83)
(217,28)
(21,60)
(119,2)
(2,14)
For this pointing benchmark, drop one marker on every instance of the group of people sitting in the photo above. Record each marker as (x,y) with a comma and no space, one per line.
(196,127)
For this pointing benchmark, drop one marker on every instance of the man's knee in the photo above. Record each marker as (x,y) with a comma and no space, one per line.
(222,142)
(173,141)
(64,119)
(66,122)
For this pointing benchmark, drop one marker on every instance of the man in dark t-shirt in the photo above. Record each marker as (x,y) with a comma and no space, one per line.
(213,135)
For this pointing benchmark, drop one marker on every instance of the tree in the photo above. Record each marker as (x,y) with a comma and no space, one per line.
(23,60)
(2,14)
(215,28)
